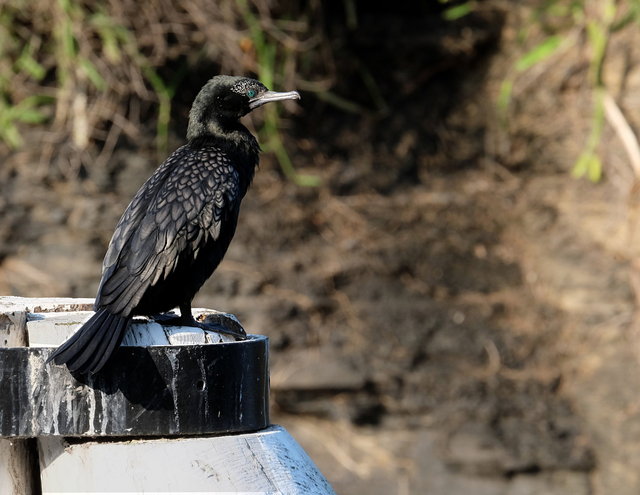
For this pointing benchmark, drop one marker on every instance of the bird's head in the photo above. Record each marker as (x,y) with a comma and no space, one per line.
(224,99)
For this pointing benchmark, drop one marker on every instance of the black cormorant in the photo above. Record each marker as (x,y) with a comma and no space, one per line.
(177,228)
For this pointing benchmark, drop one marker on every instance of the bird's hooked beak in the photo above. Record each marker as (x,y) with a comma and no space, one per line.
(268,96)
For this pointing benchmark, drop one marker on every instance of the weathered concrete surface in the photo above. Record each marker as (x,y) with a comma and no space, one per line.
(160,390)
(17,476)
(16,468)
(269,461)
(44,304)
(163,381)
(51,329)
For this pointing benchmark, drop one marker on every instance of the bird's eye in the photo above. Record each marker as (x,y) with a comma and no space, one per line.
(251,93)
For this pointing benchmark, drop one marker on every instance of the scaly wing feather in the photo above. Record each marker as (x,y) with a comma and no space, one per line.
(180,207)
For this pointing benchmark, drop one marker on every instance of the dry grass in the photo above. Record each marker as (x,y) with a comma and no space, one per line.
(94,73)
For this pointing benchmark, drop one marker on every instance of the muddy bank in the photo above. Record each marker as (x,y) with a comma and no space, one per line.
(449,311)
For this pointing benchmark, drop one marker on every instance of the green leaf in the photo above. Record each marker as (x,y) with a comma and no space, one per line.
(109,33)
(539,53)
(457,12)
(31,116)
(558,9)
(111,49)
(10,135)
(504,97)
(68,41)
(92,74)
(35,100)
(581,166)
(595,169)
(31,66)
(164,94)
(598,38)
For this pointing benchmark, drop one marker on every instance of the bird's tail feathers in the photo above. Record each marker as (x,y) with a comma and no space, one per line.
(89,349)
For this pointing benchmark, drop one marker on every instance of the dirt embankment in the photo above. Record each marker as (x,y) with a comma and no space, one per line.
(450,311)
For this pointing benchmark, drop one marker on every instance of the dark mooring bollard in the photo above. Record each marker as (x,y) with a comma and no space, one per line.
(177,410)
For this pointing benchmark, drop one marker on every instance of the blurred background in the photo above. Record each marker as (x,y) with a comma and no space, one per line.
(441,241)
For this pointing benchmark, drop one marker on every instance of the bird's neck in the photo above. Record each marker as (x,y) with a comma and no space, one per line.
(236,142)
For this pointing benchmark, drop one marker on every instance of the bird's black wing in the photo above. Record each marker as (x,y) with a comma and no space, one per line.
(181,206)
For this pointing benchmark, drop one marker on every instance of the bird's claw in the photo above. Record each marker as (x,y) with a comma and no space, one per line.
(218,322)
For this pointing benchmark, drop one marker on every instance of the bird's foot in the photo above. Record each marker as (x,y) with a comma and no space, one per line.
(216,322)
(168,319)
(221,323)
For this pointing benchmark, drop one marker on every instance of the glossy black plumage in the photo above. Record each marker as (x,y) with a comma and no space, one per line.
(177,228)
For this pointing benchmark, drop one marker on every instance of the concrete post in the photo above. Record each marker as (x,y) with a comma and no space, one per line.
(178,410)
